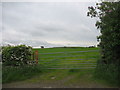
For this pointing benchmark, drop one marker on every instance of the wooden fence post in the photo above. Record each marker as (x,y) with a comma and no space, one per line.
(36,56)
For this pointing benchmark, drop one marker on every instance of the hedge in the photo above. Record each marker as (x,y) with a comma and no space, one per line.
(16,55)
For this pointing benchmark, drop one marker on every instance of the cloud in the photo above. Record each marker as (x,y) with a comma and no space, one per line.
(50,24)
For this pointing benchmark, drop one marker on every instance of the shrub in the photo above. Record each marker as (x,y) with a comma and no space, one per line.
(16,55)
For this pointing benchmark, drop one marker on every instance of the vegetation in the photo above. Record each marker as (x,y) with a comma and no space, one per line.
(68,57)
(10,74)
(66,60)
(108,66)
(70,77)
(16,55)
(16,64)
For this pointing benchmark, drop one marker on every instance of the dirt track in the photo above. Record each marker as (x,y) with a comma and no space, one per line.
(55,84)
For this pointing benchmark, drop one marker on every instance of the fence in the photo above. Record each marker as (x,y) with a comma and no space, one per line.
(67,60)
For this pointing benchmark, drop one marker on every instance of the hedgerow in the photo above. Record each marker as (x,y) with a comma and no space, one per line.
(16,55)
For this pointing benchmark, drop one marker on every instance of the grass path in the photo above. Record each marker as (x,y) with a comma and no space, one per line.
(61,79)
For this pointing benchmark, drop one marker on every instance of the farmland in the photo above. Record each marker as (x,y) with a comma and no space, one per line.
(68,57)
(63,67)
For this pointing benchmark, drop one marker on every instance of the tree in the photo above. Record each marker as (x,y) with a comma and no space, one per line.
(108,23)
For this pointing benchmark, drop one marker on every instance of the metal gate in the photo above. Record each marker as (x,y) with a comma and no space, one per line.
(68,60)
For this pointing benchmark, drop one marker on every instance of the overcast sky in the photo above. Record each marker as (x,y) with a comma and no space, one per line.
(48,23)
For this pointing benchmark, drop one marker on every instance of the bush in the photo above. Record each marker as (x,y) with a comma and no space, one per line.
(16,55)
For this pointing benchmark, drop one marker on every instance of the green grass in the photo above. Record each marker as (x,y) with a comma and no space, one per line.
(59,60)
(51,50)
(68,57)
(10,74)
(68,77)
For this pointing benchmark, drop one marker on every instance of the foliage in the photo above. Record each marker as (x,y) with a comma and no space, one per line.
(109,25)
(16,55)
(10,73)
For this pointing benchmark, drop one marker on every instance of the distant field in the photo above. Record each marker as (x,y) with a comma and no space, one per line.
(68,58)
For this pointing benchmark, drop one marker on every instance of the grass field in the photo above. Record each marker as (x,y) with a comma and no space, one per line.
(68,57)
(62,67)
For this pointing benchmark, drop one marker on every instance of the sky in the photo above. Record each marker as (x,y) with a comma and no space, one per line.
(49,24)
